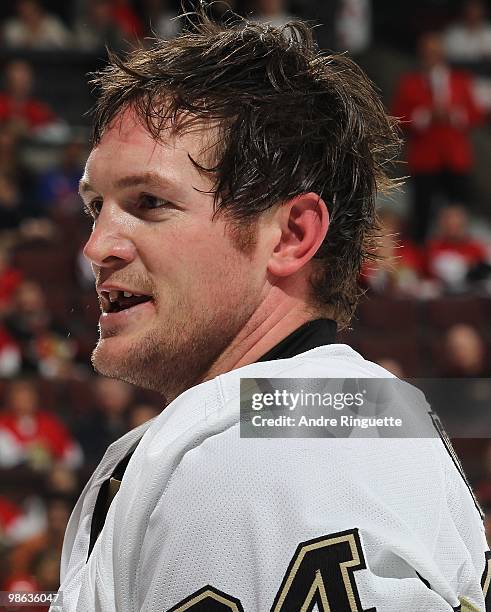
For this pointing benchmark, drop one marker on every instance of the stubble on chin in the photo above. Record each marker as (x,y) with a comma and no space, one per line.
(147,364)
(176,360)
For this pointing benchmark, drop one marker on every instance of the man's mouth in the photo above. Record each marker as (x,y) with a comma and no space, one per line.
(116,301)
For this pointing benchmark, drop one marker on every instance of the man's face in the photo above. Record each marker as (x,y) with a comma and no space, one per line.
(431,50)
(153,236)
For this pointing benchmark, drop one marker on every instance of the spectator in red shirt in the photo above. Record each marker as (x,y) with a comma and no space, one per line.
(19,521)
(42,575)
(17,106)
(10,515)
(438,110)
(24,555)
(127,20)
(31,435)
(453,253)
(10,279)
(10,354)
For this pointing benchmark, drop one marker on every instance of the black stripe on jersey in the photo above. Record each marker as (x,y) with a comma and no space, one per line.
(427,584)
(453,455)
(486,580)
(423,580)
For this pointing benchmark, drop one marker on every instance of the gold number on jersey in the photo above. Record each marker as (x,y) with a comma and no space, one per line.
(209,599)
(321,572)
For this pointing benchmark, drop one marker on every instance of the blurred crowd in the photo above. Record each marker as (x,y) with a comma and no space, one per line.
(428,305)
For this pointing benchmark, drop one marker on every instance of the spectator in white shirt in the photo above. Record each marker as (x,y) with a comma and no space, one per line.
(469,40)
(271,11)
(162,17)
(33,28)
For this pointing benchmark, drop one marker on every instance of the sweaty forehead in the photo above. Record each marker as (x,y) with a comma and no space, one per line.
(127,133)
(194,136)
(126,146)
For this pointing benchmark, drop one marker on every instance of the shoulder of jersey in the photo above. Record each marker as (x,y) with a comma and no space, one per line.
(330,361)
(219,398)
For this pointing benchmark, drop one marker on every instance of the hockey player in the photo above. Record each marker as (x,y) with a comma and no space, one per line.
(231,183)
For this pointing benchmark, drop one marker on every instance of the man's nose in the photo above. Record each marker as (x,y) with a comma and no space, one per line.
(110,244)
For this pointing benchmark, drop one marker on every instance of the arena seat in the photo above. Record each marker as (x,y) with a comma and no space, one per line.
(444,312)
(44,262)
(406,349)
(389,314)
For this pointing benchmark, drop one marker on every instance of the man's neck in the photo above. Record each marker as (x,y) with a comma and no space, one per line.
(258,337)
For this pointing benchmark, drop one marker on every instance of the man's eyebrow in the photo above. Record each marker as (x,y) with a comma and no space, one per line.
(152,179)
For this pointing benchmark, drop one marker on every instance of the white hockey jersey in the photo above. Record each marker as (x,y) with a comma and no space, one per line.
(207,521)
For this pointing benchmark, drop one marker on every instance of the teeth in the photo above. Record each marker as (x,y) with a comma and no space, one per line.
(114,295)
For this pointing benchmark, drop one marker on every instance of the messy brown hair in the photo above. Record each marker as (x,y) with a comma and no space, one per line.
(293,120)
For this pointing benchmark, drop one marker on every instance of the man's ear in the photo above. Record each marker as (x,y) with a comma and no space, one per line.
(303,222)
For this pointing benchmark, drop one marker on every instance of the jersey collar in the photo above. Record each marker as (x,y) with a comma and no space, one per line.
(309,336)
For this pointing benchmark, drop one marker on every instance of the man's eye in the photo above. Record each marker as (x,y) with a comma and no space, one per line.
(93,208)
(150,202)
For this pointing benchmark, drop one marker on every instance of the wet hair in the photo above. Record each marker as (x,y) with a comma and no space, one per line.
(290,120)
